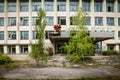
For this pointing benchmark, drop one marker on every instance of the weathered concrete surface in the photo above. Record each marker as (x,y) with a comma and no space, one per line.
(60,72)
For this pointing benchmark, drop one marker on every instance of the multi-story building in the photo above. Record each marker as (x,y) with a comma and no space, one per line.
(17,21)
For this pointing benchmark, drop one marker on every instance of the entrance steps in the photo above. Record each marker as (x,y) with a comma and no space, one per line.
(58,60)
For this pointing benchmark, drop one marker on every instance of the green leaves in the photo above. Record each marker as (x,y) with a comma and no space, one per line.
(80,44)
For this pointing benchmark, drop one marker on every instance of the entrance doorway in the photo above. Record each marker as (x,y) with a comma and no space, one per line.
(59,49)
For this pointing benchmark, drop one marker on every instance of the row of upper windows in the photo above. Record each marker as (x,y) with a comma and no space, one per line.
(24,21)
(61,5)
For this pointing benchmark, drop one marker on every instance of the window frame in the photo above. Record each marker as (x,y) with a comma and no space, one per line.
(99,21)
(11,35)
(1,21)
(11,6)
(49,5)
(11,21)
(109,21)
(1,35)
(98,6)
(23,35)
(24,6)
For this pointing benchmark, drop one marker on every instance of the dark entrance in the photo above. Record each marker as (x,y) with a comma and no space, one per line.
(59,49)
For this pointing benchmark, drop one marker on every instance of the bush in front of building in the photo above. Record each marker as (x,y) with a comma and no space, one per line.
(4,59)
(109,52)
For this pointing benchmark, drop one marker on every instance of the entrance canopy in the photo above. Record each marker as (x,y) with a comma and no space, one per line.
(62,37)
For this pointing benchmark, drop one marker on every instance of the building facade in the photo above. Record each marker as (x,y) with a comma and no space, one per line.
(17,21)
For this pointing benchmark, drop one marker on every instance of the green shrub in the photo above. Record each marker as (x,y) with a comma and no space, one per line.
(4,59)
(109,52)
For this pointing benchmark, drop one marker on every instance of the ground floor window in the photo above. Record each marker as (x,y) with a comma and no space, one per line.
(11,49)
(1,49)
(110,47)
(24,48)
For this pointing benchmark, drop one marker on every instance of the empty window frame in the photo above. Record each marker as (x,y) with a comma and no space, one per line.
(88,21)
(1,48)
(98,21)
(1,35)
(49,20)
(1,6)
(1,21)
(11,35)
(110,47)
(34,35)
(61,5)
(110,5)
(74,5)
(110,21)
(24,35)
(24,49)
(62,20)
(118,5)
(36,4)
(49,5)
(86,5)
(11,49)
(34,21)
(98,5)
(24,21)
(11,6)
(11,21)
(24,5)
(72,20)
(119,21)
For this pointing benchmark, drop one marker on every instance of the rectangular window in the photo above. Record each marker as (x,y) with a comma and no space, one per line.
(62,20)
(98,21)
(36,4)
(24,35)
(11,49)
(119,21)
(11,35)
(1,21)
(24,48)
(49,20)
(119,34)
(74,5)
(24,5)
(88,21)
(11,6)
(61,5)
(11,21)
(118,5)
(24,21)
(110,47)
(72,21)
(47,34)
(110,5)
(1,35)
(34,35)
(98,5)
(49,5)
(1,49)
(110,21)
(34,21)
(86,5)
(1,5)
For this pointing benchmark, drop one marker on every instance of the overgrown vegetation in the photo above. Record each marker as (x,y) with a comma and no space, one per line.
(4,59)
(80,44)
(38,50)
(109,52)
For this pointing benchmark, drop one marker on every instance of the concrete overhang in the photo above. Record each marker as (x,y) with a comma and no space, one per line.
(62,37)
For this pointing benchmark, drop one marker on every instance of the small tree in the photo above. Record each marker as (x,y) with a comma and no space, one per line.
(80,43)
(37,51)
